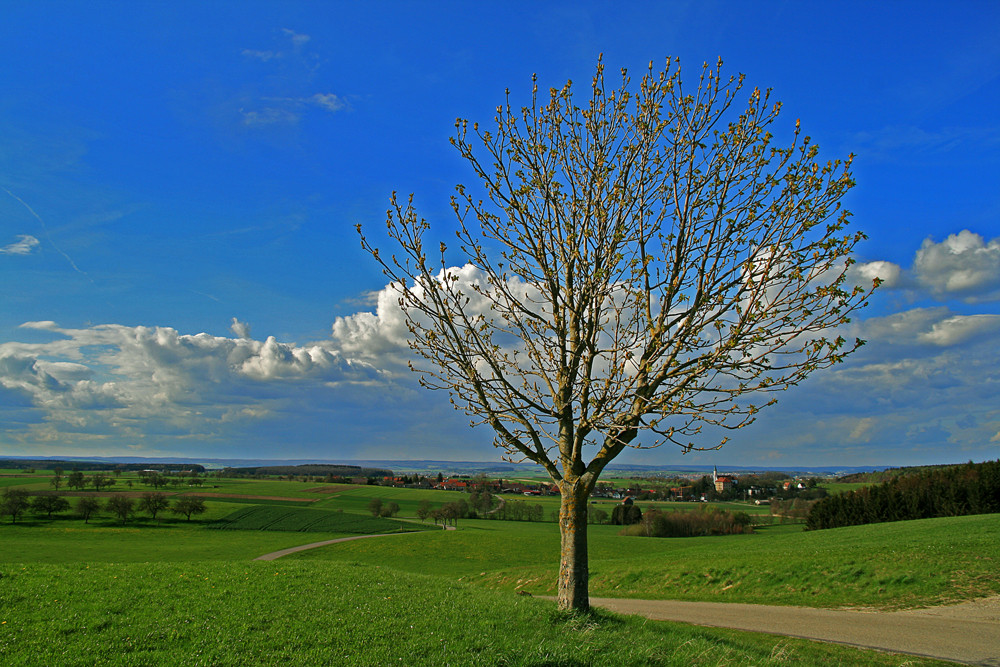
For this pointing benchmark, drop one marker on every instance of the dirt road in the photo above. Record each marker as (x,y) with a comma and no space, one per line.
(967,632)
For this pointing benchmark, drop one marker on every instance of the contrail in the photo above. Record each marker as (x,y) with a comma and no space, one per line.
(47,235)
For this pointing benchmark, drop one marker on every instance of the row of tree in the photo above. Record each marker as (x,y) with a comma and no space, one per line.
(16,502)
(972,488)
(101,481)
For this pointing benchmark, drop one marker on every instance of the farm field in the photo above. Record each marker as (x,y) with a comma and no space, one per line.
(439,595)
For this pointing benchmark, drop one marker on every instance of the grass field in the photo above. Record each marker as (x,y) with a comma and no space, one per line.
(332,613)
(175,592)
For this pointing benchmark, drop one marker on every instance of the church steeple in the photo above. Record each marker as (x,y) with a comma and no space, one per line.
(715,474)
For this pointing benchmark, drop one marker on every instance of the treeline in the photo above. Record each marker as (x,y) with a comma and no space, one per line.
(317,469)
(55,464)
(971,488)
(15,503)
(879,476)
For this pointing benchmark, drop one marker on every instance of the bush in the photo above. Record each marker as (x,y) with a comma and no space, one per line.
(696,523)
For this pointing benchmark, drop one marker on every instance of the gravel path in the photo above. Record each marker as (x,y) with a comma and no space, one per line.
(967,632)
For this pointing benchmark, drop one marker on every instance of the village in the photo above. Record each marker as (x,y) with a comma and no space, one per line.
(753,487)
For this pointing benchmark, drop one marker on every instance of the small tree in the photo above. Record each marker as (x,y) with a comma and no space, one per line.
(423,509)
(121,506)
(49,504)
(87,507)
(57,478)
(14,502)
(153,503)
(375,506)
(188,505)
(646,263)
(390,510)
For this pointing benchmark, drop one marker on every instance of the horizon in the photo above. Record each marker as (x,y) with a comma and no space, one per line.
(179,187)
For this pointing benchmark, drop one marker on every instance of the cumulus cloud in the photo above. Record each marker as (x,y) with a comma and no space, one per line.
(24,245)
(964,265)
(155,377)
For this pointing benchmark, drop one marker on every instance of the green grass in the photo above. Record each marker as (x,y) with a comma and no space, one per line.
(329,613)
(897,565)
(70,542)
(914,563)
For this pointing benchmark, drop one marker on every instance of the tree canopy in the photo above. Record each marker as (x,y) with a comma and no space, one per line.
(645,262)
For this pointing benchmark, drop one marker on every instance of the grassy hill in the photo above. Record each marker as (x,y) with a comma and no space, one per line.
(173,592)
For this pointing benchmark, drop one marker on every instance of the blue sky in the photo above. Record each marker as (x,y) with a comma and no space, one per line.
(180,182)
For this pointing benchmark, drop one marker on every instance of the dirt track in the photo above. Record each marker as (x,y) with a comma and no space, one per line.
(967,632)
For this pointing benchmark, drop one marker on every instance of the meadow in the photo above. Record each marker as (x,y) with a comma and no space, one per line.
(178,592)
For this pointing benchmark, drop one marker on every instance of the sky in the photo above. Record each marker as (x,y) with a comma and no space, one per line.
(180,184)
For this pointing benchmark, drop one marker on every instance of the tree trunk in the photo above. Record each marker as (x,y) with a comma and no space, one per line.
(573,568)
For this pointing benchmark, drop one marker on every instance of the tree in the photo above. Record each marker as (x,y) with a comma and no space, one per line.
(101,481)
(57,478)
(49,504)
(76,480)
(390,510)
(636,269)
(187,506)
(155,479)
(14,502)
(153,503)
(121,506)
(375,506)
(87,507)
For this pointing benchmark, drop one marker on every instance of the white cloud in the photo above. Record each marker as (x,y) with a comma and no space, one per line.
(864,273)
(298,39)
(962,265)
(240,329)
(328,101)
(862,429)
(24,245)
